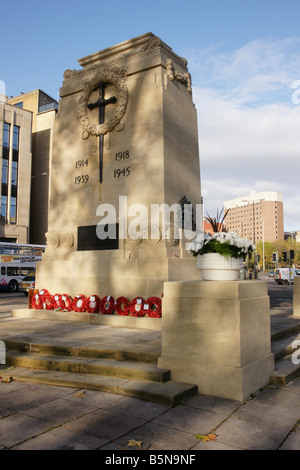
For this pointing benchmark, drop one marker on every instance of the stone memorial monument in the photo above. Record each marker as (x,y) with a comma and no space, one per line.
(125,161)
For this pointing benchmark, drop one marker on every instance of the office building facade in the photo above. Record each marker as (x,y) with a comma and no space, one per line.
(256,216)
(15,171)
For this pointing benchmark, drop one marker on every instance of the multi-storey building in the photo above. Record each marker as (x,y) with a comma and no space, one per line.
(15,171)
(257,216)
(43,109)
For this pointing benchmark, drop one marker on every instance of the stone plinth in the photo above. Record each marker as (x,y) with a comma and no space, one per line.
(148,151)
(296,297)
(216,334)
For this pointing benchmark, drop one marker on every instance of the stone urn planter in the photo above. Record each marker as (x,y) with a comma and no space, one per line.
(215,267)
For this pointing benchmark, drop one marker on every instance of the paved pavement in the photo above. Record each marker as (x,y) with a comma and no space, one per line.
(43,417)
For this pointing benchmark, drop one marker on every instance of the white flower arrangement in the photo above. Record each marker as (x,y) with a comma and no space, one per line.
(224,243)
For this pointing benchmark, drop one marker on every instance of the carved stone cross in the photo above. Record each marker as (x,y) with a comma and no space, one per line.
(101,103)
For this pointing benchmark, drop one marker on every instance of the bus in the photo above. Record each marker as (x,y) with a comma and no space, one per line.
(17,260)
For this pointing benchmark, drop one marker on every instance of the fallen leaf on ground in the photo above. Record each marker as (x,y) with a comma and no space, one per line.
(6,380)
(206,437)
(133,442)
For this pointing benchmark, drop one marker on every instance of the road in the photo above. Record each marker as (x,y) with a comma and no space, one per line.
(279,294)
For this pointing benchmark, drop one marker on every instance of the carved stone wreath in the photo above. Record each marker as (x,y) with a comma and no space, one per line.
(107,75)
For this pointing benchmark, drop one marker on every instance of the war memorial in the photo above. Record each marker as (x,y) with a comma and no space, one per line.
(125,199)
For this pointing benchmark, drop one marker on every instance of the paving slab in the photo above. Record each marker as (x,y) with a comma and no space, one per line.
(60,411)
(106,424)
(17,428)
(31,395)
(279,397)
(62,438)
(292,442)
(262,412)
(217,404)
(194,421)
(155,436)
(250,435)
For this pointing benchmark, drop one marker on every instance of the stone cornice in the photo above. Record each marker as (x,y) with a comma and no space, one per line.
(146,42)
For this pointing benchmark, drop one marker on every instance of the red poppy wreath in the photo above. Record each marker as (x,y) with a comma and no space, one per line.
(58,302)
(93,304)
(153,308)
(79,303)
(67,302)
(107,305)
(123,306)
(137,307)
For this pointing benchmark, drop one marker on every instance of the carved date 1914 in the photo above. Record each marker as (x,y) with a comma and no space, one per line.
(80,164)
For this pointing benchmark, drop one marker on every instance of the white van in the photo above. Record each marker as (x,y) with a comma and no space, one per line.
(286,275)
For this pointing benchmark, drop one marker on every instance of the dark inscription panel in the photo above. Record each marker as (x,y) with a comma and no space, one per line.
(88,240)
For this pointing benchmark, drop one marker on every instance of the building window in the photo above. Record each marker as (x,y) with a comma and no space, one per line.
(3,209)
(4,179)
(14,176)
(6,132)
(9,172)
(13,210)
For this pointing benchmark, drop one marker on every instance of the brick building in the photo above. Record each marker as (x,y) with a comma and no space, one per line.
(257,216)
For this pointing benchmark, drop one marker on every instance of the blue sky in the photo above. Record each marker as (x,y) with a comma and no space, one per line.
(244,58)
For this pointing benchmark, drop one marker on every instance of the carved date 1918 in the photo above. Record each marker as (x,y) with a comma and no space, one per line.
(124,171)
(122,155)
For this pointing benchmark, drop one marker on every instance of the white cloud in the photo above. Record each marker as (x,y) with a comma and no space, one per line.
(249,125)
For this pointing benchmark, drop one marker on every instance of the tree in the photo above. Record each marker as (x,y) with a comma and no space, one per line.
(287,245)
(269,250)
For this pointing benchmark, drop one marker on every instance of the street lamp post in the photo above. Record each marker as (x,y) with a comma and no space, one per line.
(263,222)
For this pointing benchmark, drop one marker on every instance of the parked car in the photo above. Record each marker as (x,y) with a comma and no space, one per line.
(271,274)
(28,282)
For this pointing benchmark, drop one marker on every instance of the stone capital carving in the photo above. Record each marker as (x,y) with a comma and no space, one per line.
(173,74)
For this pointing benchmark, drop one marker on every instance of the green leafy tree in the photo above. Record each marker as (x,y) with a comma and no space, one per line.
(286,245)
(269,250)
(279,246)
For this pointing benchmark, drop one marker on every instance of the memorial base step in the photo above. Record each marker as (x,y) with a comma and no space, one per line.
(286,349)
(92,371)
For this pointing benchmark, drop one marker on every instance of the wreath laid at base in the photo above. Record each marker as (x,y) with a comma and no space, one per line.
(153,308)
(79,303)
(93,304)
(137,307)
(122,306)
(107,306)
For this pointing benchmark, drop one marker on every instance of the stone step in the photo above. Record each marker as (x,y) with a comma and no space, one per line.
(286,369)
(127,373)
(83,365)
(79,351)
(285,345)
(168,393)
